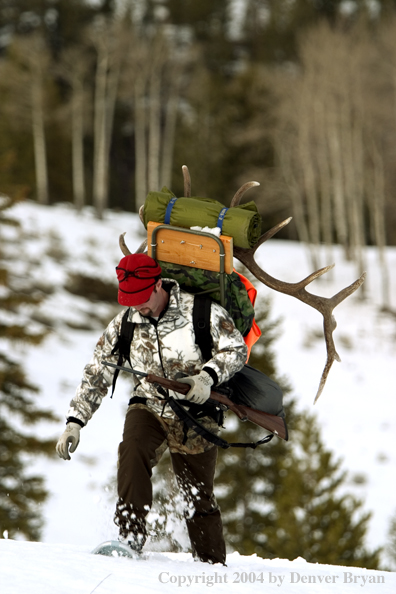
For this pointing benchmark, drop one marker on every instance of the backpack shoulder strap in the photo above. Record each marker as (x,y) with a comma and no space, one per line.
(201,322)
(123,345)
(125,338)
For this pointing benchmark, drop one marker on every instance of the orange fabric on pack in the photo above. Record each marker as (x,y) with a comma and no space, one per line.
(255,332)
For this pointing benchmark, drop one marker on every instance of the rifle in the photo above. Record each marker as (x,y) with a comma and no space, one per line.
(272,423)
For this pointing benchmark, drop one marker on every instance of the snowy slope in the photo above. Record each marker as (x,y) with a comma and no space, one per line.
(36,568)
(356,410)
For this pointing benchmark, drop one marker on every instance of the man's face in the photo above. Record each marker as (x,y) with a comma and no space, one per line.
(153,306)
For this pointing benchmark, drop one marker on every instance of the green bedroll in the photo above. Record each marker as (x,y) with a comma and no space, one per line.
(242,223)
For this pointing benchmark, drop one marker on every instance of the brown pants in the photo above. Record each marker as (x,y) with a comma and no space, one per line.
(142,444)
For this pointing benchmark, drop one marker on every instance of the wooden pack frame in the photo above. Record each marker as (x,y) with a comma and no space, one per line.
(188,247)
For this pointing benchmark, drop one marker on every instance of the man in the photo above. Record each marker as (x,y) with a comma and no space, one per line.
(163,344)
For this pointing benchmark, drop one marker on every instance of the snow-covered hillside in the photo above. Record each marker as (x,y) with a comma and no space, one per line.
(356,410)
(36,568)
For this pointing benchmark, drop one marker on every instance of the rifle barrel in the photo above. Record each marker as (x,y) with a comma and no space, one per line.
(271,423)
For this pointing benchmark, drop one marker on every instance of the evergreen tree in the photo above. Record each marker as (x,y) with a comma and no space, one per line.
(391,545)
(62,22)
(283,499)
(21,493)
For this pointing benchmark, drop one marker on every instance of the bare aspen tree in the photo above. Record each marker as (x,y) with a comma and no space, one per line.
(140,141)
(108,39)
(154,88)
(306,148)
(169,132)
(314,156)
(296,152)
(38,62)
(339,87)
(133,91)
(376,203)
(324,119)
(361,105)
(163,97)
(78,142)
(25,75)
(351,137)
(386,56)
(285,160)
(285,140)
(335,164)
(169,72)
(327,60)
(152,79)
(356,134)
(74,69)
(324,179)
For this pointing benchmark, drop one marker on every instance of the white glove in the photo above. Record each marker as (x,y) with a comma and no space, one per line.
(200,387)
(71,435)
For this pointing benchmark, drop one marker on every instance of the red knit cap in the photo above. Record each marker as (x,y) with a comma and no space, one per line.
(137,274)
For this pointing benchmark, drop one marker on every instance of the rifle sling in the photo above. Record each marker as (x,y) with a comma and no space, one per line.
(199,429)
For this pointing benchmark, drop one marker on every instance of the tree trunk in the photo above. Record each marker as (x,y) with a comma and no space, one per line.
(40,152)
(285,156)
(113,80)
(338,183)
(377,208)
(324,183)
(154,132)
(168,143)
(140,143)
(357,144)
(109,49)
(78,143)
(309,184)
(100,170)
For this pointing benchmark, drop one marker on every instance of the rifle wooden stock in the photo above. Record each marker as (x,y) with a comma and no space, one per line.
(272,423)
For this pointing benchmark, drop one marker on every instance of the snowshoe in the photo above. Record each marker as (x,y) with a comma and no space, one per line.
(114,548)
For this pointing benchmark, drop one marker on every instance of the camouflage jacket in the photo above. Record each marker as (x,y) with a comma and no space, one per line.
(164,348)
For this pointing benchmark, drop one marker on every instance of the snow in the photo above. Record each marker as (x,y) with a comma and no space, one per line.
(40,568)
(356,410)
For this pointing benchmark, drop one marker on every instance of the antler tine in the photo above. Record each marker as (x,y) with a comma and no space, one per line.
(329,325)
(238,195)
(123,245)
(323,304)
(141,214)
(187,182)
(142,247)
(125,250)
(271,232)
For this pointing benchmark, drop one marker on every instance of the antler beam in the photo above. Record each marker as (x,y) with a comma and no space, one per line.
(298,290)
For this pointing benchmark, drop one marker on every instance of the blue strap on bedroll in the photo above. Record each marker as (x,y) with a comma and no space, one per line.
(171,204)
(168,211)
(220,220)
